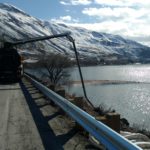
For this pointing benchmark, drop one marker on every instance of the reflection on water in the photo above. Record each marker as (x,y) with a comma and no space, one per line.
(125,73)
(131,100)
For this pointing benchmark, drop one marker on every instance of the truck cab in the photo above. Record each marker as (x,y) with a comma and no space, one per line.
(10,64)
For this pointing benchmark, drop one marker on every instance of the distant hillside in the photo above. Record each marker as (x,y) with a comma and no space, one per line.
(94,46)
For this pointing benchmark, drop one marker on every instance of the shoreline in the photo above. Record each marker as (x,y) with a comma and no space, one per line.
(107,82)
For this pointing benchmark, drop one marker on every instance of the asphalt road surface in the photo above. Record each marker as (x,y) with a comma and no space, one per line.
(17,128)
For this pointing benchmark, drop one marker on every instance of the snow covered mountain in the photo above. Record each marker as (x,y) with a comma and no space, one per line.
(16,24)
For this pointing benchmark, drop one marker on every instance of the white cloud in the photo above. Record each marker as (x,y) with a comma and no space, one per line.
(64,3)
(110,2)
(65,19)
(116,12)
(101,12)
(75,2)
(102,27)
(123,2)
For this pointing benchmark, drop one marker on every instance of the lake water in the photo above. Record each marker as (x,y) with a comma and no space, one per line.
(131,100)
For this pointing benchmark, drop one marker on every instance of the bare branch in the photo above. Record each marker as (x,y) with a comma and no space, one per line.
(55,65)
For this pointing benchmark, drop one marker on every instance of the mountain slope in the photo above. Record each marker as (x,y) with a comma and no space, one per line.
(16,24)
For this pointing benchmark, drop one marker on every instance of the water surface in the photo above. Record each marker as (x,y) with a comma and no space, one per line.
(132,100)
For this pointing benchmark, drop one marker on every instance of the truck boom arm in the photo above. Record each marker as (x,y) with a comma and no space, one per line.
(41,38)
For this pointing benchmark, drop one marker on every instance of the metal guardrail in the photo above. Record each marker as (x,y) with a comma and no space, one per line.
(105,135)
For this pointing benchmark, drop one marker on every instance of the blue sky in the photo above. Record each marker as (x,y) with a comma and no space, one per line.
(52,10)
(42,9)
(128,18)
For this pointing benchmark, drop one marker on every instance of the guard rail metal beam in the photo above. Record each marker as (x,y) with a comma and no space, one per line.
(105,135)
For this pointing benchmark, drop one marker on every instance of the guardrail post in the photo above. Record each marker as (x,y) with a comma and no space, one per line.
(52,87)
(113,121)
(61,92)
(78,101)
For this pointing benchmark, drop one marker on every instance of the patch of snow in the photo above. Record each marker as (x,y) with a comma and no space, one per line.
(16,24)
